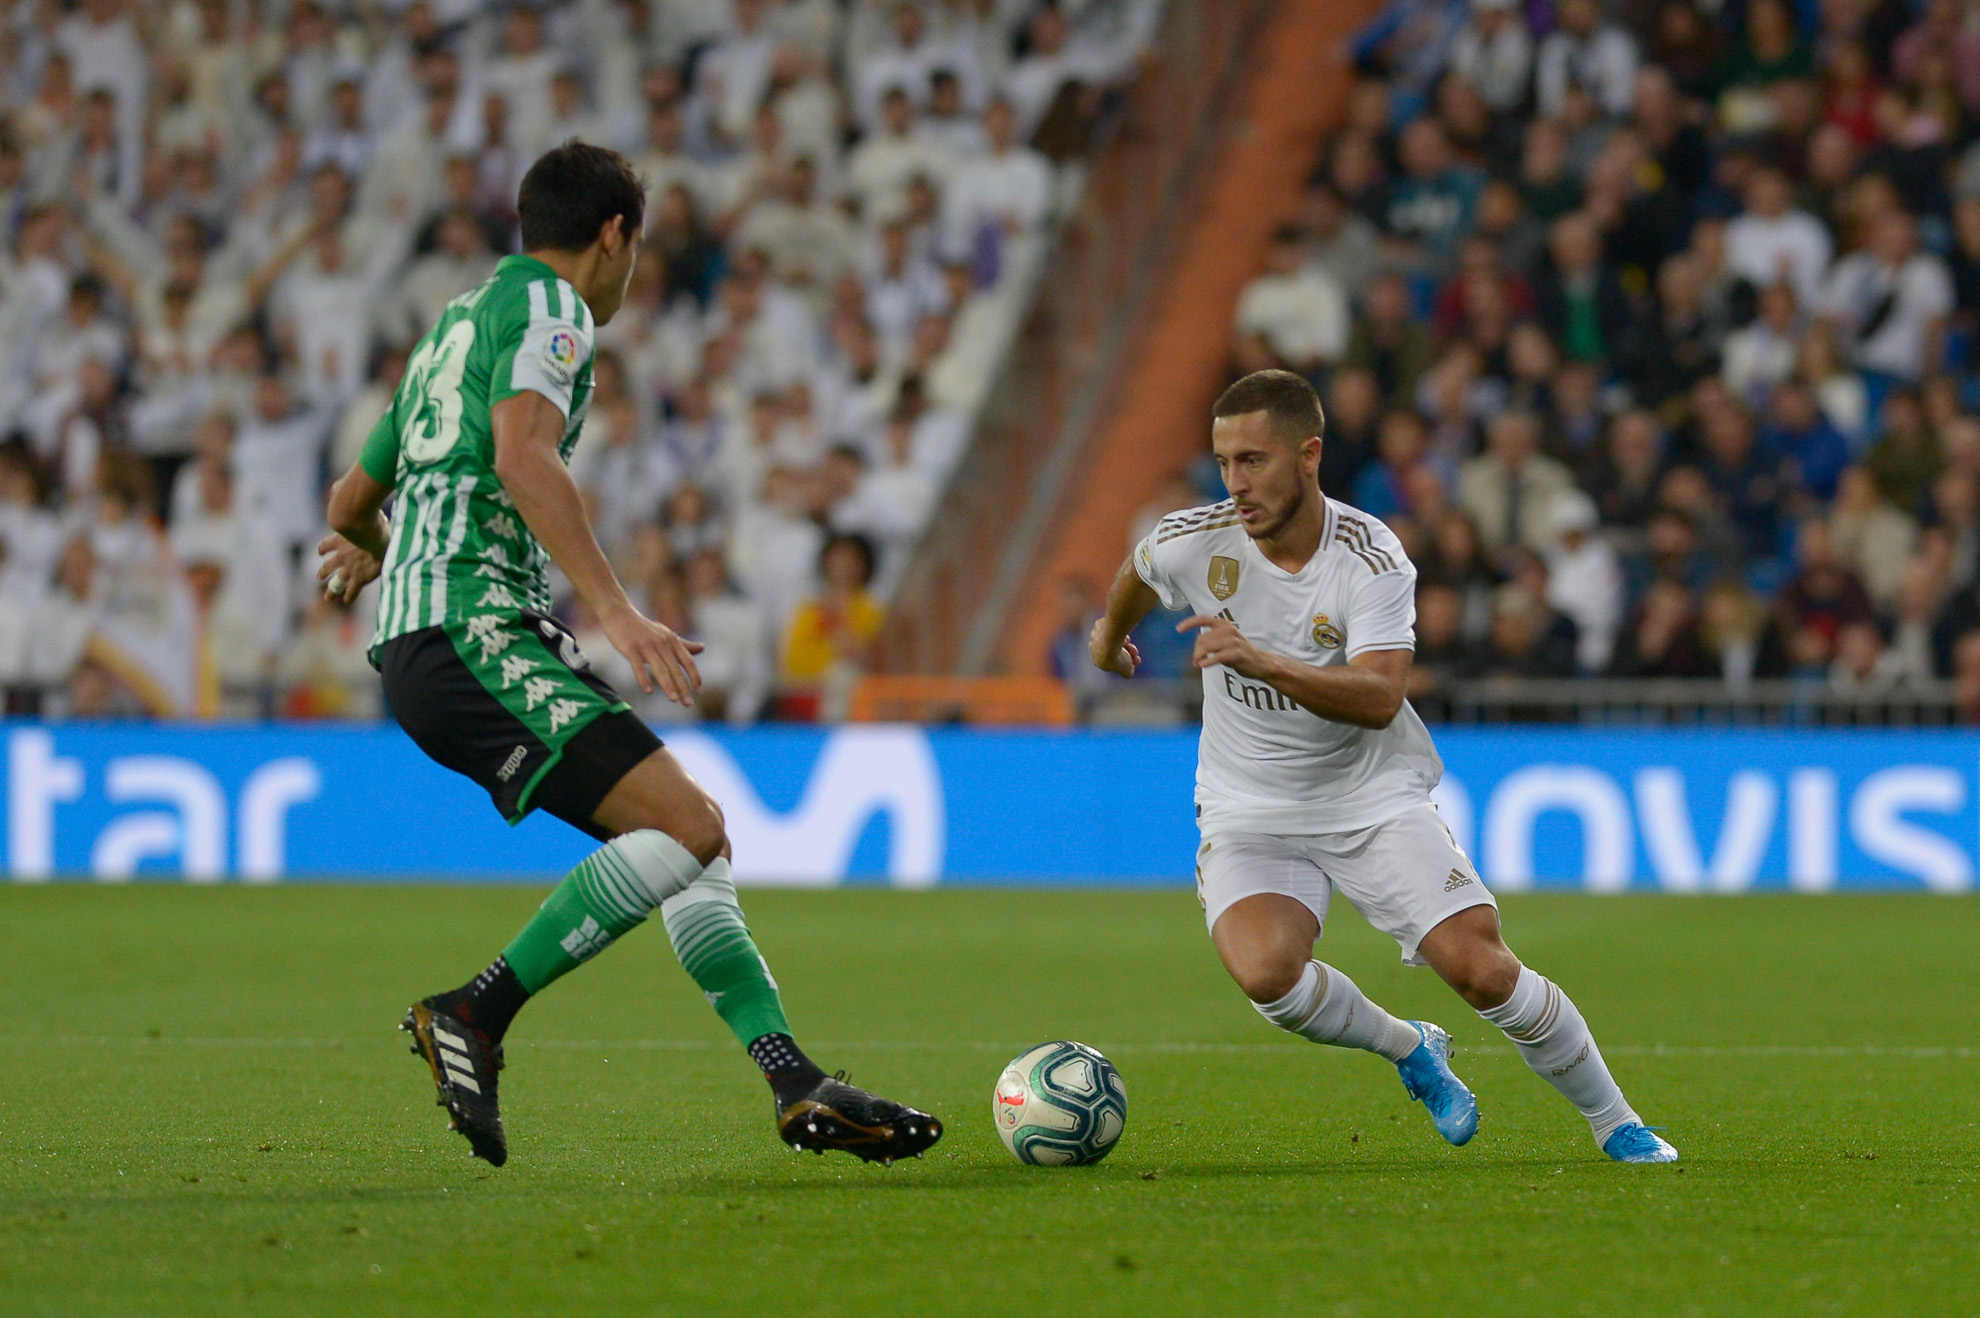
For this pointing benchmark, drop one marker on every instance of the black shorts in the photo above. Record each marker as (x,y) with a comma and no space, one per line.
(518,709)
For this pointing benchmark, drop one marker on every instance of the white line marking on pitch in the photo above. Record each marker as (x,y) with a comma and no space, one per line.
(979,1046)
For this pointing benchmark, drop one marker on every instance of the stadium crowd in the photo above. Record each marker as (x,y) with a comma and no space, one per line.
(1650,326)
(224,223)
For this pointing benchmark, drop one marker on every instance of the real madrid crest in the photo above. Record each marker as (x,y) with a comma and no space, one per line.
(1325,633)
(1223,577)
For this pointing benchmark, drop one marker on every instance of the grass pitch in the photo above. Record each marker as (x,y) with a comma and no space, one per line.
(204,1108)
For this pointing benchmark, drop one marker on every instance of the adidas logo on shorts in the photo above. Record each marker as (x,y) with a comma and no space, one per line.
(1457,880)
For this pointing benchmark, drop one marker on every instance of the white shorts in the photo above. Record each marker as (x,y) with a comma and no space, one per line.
(1406,875)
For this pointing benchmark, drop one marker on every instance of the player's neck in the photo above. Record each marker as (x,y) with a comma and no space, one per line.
(1293,545)
(577,269)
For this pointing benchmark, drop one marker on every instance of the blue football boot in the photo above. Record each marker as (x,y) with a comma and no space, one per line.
(1427,1075)
(1637,1142)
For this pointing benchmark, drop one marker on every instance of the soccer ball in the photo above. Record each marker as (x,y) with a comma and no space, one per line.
(1060,1103)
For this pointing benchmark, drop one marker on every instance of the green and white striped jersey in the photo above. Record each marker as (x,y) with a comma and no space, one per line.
(459,552)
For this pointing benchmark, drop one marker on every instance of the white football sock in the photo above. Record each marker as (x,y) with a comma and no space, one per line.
(1550,1034)
(1326,1007)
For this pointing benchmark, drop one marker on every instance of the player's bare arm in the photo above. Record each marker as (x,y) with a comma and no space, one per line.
(527,429)
(1367,691)
(1129,600)
(354,551)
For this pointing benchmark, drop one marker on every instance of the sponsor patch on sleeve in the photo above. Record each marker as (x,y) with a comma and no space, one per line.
(560,356)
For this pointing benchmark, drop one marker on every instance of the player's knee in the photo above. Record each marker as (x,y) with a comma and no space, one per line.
(1266,978)
(1489,978)
(702,832)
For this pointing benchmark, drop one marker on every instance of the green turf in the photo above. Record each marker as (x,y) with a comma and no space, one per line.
(204,1109)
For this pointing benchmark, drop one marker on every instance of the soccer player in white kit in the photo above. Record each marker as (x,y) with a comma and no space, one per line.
(1313,772)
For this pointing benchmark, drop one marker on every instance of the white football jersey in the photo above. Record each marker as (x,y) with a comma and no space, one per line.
(1264,763)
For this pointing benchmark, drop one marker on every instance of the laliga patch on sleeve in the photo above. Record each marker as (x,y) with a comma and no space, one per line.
(560,356)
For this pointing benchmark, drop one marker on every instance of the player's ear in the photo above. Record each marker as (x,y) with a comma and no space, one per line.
(612,235)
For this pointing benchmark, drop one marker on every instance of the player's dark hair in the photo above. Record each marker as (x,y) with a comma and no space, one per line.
(572,191)
(1287,398)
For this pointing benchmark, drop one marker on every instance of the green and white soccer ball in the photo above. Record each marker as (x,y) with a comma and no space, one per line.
(1060,1103)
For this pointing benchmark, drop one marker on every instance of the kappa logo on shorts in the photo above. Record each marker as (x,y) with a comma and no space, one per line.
(513,763)
(562,712)
(1458,879)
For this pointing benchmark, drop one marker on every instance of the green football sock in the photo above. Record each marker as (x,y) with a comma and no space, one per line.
(705,924)
(610,892)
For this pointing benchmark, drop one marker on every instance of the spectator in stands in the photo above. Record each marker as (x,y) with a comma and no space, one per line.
(1839,392)
(1547,182)
(67,616)
(1528,638)
(460,260)
(1292,316)
(948,120)
(1080,606)
(1891,300)
(878,169)
(1056,87)
(324,671)
(1585,580)
(1353,420)
(1811,452)
(1339,239)
(1444,655)
(1509,490)
(1759,356)
(1581,300)
(1858,668)
(1587,52)
(1452,556)
(1908,457)
(1740,635)
(830,639)
(1661,638)
(1381,489)
(1426,210)
(996,197)
(1911,657)
(17,609)
(1388,340)
(888,502)
(1494,53)
(1680,344)
(1822,597)
(1772,243)
(1745,481)
(735,678)
(1873,538)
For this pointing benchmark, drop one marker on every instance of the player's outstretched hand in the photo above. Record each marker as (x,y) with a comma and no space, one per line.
(1218,641)
(1123,658)
(345,569)
(656,654)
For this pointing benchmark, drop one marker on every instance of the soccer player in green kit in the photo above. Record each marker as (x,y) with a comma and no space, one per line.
(488,684)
